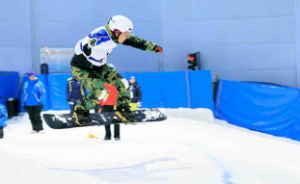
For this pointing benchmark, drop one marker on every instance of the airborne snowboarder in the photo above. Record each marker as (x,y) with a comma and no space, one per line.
(89,66)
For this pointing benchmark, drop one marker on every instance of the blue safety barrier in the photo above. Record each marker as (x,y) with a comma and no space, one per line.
(266,108)
(9,86)
(160,89)
(201,90)
(58,91)
(150,86)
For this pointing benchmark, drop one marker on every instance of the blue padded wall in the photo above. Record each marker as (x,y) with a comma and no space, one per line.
(58,90)
(150,85)
(261,107)
(201,91)
(9,86)
(160,89)
(174,89)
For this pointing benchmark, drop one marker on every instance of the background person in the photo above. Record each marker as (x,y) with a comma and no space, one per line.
(75,91)
(32,100)
(135,92)
(106,104)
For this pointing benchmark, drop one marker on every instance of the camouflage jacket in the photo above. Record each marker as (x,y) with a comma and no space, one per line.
(135,41)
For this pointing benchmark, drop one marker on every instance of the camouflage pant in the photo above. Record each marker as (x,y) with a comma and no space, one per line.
(94,81)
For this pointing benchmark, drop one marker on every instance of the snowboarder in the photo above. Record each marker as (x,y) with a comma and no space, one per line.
(3,118)
(89,66)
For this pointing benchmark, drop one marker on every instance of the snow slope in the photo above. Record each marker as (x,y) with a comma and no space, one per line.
(189,147)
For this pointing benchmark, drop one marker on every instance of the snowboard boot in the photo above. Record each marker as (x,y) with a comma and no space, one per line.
(125,114)
(81,117)
(107,133)
(117,132)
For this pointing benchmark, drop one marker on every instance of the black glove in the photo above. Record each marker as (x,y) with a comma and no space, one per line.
(87,50)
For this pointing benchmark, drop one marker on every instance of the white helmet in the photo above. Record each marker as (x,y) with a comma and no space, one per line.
(120,23)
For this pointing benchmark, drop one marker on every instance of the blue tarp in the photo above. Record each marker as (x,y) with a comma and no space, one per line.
(201,90)
(57,90)
(160,89)
(9,86)
(266,108)
(150,85)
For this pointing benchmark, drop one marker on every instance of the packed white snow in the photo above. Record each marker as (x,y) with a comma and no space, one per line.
(189,147)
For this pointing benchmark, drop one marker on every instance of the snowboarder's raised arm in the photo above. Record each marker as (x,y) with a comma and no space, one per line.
(140,43)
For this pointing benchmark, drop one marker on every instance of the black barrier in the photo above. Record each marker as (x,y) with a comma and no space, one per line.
(44,68)
(9,86)
(1,133)
(12,107)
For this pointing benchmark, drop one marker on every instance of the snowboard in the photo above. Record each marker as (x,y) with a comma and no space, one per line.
(61,121)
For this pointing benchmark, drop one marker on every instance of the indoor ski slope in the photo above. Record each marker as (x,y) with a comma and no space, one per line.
(189,147)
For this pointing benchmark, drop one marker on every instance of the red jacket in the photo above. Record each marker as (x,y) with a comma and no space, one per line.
(110,97)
